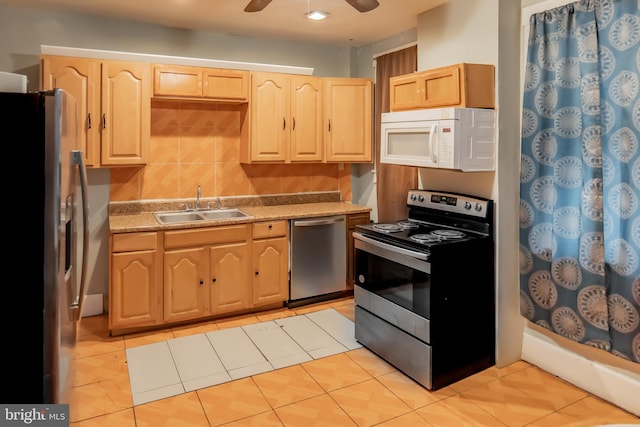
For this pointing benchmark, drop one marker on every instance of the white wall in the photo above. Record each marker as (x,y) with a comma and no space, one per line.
(485,32)
(22,31)
(458,31)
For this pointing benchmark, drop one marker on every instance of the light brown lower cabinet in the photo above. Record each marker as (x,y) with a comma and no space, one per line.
(270,262)
(135,294)
(230,277)
(206,272)
(186,284)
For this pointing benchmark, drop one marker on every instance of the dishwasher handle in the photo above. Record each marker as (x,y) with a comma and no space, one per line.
(319,221)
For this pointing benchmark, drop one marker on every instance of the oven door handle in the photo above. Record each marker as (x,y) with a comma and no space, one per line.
(413,259)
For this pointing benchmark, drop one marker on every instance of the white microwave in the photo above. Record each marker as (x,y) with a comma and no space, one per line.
(449,138)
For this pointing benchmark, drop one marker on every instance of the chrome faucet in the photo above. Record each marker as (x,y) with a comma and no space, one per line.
(198,198)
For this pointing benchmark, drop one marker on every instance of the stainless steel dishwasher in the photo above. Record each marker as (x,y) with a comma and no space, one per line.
(318,259)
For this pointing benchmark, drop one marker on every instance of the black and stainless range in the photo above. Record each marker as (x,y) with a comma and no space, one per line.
(424,290)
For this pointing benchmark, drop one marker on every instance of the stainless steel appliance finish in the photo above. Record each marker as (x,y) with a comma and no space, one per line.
(318,259)
(53,241)
(424,288)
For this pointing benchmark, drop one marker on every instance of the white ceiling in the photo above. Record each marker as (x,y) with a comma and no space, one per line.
(282,19)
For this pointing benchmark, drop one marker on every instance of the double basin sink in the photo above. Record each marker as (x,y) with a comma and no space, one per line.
(195,216)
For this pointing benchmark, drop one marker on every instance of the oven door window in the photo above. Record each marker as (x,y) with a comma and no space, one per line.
(401,284)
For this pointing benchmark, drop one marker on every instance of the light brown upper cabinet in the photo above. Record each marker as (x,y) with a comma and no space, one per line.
(113,106)
(286,119)
(459,85)
(80,78)
(210,84)
(348,120)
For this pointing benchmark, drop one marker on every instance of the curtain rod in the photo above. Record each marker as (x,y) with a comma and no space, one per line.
(394,49)
(541,7)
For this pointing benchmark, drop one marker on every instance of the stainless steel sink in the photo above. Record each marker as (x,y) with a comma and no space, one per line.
(207,215)
(171,217)
(223,214)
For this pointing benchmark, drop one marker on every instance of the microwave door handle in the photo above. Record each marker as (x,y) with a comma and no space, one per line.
(432,143)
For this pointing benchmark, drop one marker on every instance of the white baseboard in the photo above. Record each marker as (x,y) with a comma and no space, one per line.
(617,385)
(92,305)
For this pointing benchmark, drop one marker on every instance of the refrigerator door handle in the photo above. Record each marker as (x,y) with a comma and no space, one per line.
(76,306)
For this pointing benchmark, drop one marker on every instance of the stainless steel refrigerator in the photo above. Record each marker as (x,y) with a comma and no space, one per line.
(46,244)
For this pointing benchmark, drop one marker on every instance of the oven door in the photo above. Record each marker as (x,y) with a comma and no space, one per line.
(394,284)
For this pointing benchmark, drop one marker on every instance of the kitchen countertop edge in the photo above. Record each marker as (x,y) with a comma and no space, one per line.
(146,221)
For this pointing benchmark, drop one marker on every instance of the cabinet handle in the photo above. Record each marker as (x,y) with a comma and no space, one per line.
(213,280)
(201,282)
(293,124)
(257,272)
(88,120)
(104,121)
(284,123)
(270,226)
(329,125)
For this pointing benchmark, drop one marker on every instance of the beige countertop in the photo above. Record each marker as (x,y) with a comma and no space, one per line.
(146,221)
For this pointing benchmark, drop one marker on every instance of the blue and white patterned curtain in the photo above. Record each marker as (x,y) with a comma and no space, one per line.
(580,175)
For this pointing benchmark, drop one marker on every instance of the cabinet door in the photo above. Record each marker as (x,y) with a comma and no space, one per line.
(126,113)
(79,77)
(230,278)
(348,114)
(306,139)
(271,278)
(441,87)
(225,85)
(269,117)
(176,80)
(135,298)
(186,275)
(404,92)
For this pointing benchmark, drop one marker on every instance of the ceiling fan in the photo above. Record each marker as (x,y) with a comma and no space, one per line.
(361,5)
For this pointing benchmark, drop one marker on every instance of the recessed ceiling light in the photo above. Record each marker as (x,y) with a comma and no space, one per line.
(317,15)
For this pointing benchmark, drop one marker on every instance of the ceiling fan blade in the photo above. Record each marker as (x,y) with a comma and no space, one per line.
(363,5)
(256,5)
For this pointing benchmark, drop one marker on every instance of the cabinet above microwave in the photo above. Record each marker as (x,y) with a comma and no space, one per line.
(448,138)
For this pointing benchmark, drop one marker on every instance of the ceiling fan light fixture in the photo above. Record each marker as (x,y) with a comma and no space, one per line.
(317,15)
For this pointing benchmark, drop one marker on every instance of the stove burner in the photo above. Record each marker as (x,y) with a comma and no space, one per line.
(407,224)
(425,238)
(387,228)
(448,234)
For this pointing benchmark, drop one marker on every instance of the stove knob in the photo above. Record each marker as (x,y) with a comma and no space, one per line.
(478,207)
(413,197)
(467,205)
(421,199)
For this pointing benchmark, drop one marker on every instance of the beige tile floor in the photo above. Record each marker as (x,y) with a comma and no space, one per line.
(355,388)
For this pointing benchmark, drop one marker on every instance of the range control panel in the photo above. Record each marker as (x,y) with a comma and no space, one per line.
(450,202)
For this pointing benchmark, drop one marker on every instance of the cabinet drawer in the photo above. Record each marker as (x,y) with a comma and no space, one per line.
(206,236)
(128,242)
(353,220)
(266,229)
